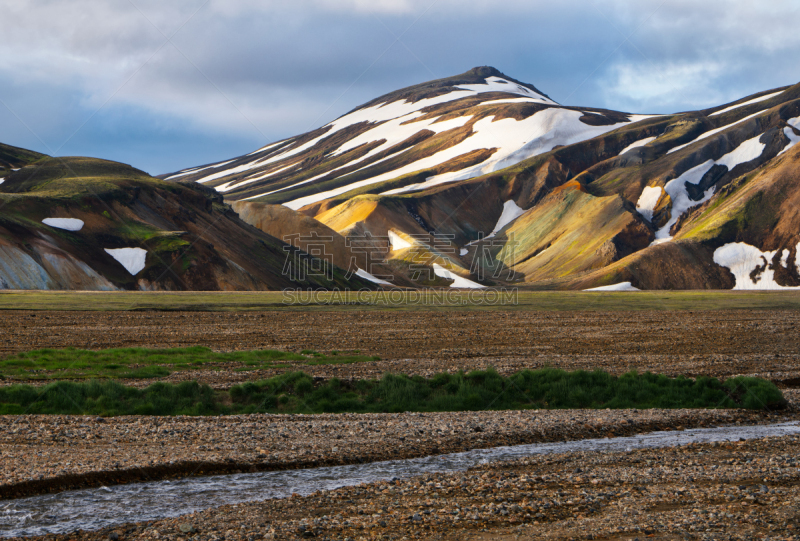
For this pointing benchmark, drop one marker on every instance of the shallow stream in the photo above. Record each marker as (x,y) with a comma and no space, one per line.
(96,508)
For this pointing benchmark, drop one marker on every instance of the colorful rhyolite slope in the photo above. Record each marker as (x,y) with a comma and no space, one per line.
(529,192)
(469,182)
(420,137)
(89,224)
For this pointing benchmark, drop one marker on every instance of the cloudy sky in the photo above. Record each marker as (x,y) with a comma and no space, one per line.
(169,85)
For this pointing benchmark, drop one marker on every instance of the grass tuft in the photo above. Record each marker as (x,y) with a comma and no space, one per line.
(296,392)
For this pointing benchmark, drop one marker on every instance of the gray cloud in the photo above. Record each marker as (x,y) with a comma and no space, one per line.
(242,72)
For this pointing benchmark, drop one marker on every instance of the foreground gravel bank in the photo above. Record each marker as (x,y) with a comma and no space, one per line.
(742,490)
(40,454)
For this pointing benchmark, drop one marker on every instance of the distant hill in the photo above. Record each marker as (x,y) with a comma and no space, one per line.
(89,224)
(473,181)
(573,197)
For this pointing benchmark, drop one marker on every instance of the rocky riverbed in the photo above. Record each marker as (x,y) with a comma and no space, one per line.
(741,490)
(40,454)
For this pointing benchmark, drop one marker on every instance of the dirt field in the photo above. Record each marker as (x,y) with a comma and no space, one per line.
(733,491)
(716,343)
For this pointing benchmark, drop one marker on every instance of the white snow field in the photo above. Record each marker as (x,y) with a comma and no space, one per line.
(648,201)
(498,84)
(751,102)
(514,140)
(133,259)
(714,132)
(742,259)
(460,283)
(623,286)
(637,144)
(793,140)
(398,242)
(395,122)
(228,186)
(269,146)
(2,180)
(511,211)
(516,100)
(367,276)
(676,188)
(67,224)
(382,113)
(196,170)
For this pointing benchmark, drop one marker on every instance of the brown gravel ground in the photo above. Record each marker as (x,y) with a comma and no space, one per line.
(692,492)
(715,343)
(41,454)
(743,490)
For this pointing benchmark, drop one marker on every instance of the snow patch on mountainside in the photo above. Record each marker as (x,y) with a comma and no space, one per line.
(396,131)
(746,152)
(676,188)
(367,276)
(459,282)
(743,259)
(262,149)
(793,140)
(751,102)
(389,157)
(2,180)
(648,201)
(511,211)
(228,186)
(133,259)
(67,224)
(514,140)
(514,100)
(191,171)
(498,84)
(390,111)
(714,132)
(398,242)
(238,169)
(637,144)
(623,286)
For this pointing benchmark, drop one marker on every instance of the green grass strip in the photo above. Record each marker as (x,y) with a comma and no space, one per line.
(139,363)
(295,392)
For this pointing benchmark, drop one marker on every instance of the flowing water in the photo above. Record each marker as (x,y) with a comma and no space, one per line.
(97,508)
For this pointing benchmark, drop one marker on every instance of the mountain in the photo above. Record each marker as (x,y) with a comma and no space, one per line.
(485,180)
(419,137)
(471,181)
(90,224)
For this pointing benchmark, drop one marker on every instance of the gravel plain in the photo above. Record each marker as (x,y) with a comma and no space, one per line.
(692,343)
(744,490)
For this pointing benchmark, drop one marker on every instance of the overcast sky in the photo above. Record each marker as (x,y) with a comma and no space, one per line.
(169,85)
